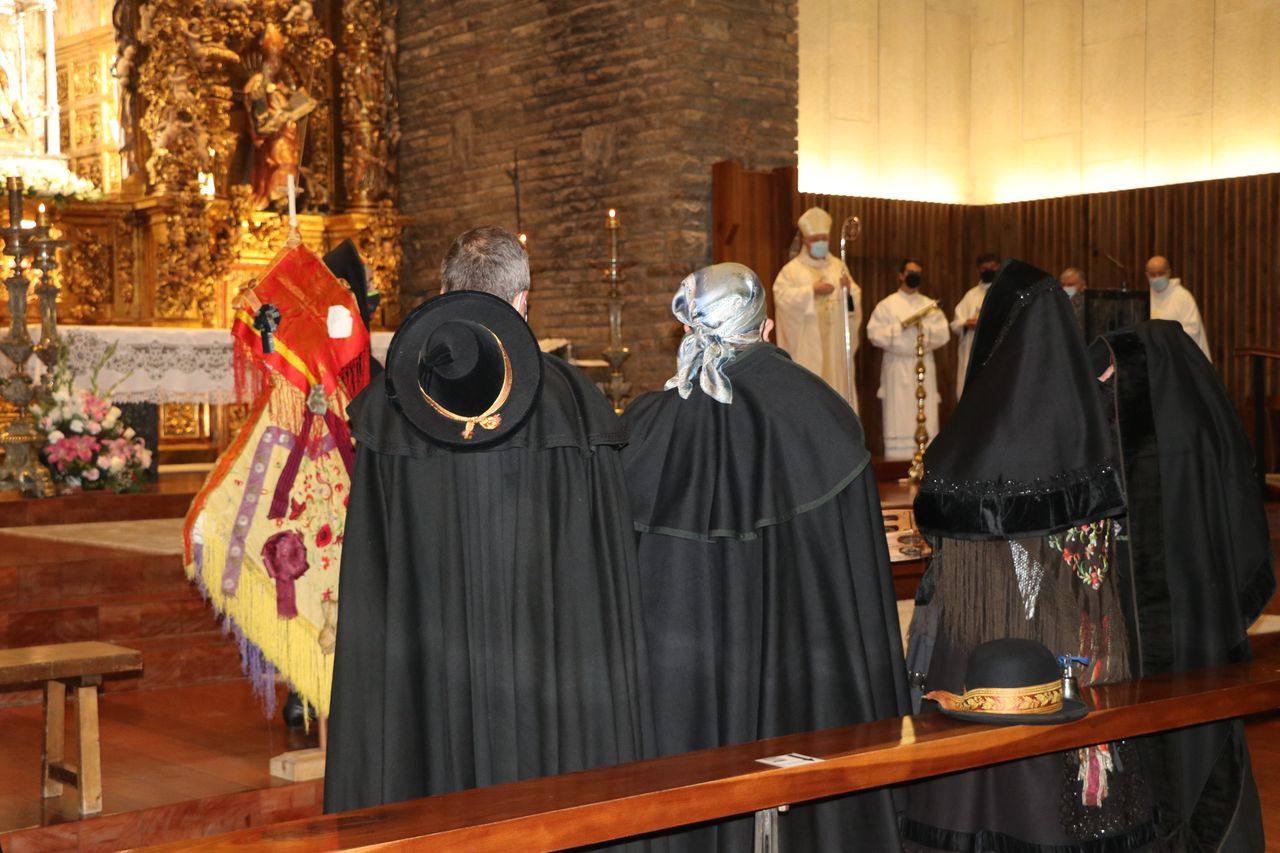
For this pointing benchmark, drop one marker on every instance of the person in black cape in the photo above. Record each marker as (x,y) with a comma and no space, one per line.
(489,621)
(767,593)
(344,261)
(1200,569)
(1022,500)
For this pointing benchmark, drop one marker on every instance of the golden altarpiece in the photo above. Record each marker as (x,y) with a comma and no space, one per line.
(190,115)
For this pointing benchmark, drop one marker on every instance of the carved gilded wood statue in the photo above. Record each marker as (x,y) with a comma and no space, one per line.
(277,110)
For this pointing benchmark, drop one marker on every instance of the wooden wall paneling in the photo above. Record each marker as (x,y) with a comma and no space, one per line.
(1222,237)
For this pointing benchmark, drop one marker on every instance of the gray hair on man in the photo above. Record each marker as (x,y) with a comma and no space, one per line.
(489,259)
(1073,273)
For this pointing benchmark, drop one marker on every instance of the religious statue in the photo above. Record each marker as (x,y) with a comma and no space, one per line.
(276,110)
(14,121)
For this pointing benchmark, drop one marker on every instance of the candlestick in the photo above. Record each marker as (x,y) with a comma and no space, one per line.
(44,258)
(294,237)
(22,469)
(616,354)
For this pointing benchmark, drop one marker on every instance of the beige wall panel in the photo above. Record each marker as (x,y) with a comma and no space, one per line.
(1051,73)
(1105,20)
(1178,149)
(1114,74)
(1179,57)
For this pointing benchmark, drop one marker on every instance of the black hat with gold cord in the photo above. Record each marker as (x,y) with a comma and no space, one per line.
(465,369)
(1011,682)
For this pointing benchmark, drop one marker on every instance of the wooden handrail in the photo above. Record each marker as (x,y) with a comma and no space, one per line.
(576,809)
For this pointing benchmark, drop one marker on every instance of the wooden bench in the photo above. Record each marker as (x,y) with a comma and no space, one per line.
(81,667)
(579,809)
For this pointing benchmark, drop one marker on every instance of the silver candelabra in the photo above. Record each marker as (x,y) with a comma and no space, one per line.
(22,469)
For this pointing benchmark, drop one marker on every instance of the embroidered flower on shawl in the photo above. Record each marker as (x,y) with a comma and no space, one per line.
(1087,550)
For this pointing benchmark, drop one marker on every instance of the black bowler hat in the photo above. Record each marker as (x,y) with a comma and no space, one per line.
(1011,683)
(465,369)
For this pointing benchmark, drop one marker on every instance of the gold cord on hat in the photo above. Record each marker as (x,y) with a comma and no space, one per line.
(1036,699)
(489,419)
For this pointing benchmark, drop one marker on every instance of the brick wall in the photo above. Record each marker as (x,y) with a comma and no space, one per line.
(615,103)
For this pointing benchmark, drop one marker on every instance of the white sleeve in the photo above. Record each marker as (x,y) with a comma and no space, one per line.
(962,316)
(936,331)
(885,331)
(792,294)
(1194,325)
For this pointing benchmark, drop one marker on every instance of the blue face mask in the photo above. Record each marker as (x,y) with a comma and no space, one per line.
(1159,284)
(818,249)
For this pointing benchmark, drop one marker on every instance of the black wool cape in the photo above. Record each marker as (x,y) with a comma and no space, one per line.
(1201,568)
(489,622)
(768,598)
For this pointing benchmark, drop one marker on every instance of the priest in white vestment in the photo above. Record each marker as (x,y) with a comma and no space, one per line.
(809,302)
(966,317)
(1171,301)
(898,369)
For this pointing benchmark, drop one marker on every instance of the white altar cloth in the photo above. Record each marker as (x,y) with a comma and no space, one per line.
(157,364)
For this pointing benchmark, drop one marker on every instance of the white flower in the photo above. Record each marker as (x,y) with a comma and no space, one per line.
(117,464)
(56,436)
(61,396)
(77,426)
(144,457)
(73,482)
(92,474)
(104,463)
(48,177)
(115,413)
(129,433)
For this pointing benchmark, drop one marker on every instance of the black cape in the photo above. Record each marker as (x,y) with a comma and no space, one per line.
(1027,451)
(345,263)
(768,598)
(1201,567)
(489,624)
(1027,455)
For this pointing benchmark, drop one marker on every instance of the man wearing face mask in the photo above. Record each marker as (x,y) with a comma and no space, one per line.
(1171,301)
(898,368)
(966,319)
(810,306)
(1074,285)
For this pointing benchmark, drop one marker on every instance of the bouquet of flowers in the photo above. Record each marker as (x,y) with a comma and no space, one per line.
(49,177)
(89,445)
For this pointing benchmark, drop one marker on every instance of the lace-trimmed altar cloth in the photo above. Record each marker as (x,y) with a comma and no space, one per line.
(156,364)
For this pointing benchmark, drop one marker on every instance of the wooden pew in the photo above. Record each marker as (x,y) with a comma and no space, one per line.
(81,667)
(576,809)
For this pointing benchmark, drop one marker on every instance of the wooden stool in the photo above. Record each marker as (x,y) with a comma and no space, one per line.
(81,667)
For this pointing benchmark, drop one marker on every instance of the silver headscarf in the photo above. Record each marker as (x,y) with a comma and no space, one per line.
(723,306)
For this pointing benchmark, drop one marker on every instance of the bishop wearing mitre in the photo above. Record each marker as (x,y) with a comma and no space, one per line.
(809,301)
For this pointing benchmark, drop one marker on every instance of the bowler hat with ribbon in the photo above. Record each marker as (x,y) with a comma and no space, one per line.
(465,369)
(1011,682)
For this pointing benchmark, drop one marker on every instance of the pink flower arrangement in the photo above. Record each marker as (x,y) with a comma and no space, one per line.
(88,444)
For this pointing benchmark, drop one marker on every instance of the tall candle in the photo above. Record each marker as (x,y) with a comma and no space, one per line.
(293,202)
(14,185)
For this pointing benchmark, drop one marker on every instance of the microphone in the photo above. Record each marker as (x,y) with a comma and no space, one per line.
(1124,272)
